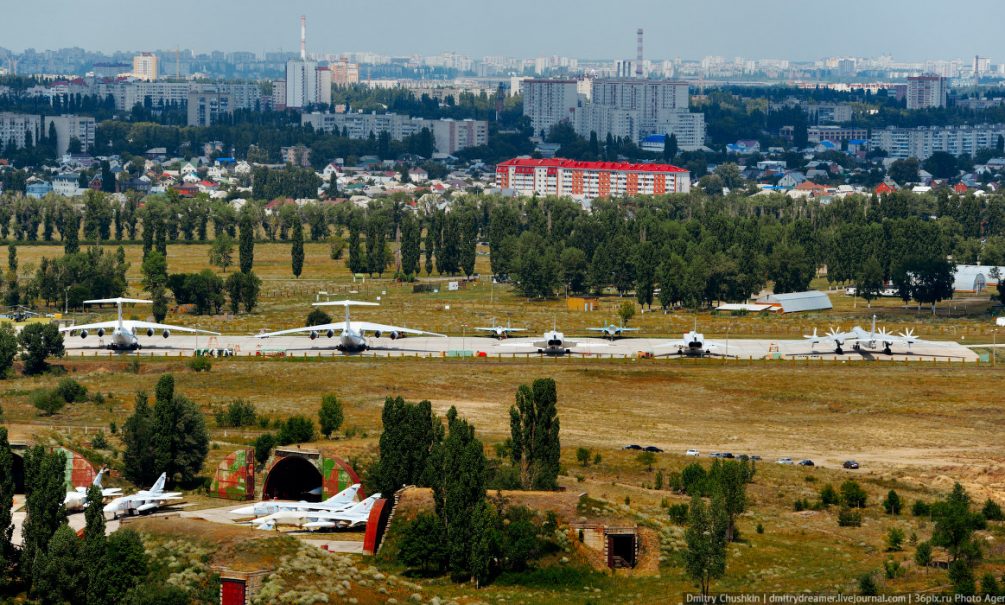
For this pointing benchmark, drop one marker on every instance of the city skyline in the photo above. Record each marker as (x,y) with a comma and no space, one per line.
(522,29)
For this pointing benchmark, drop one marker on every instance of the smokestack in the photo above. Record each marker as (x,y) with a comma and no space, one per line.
(303,37)
(638,60)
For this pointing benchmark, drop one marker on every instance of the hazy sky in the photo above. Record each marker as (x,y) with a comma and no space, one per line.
(796,29)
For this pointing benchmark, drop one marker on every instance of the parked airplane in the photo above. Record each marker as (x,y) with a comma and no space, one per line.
(552,343)
(339,501)
(77,499)
(872,339)
(143,501)
(351,516)
(694,344)
(125,332)
(501,332)
(612,331)
(352,335)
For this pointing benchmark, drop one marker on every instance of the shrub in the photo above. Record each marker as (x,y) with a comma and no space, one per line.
(992,511)
(239,413)
(583,456)
(200,363)
(920,509)
(263,447)
(892,503)
(693,479)
(895,540)
(597,459)
(867,585)
(99,442)
(47,402)
(800,505)
(852,495)
(678,513)
(849,518)
(892,569)
(760,528)
(113,428)
(828,495)
(296,429)
(70,390)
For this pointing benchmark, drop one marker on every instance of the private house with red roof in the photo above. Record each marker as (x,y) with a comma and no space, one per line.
(883,188)
(586,181)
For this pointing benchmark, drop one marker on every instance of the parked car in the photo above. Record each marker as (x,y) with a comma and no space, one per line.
(806,462)
(653,449)
(632,447)
(784,461)
(850,464)
(755,457)
(716,455)
(728,455)
(692,452)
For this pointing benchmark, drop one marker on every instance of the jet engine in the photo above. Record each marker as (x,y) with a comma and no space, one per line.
(101,332)
(395,336)
(83,333)
(331,333)
(377,334)
(314,335)
(150,331)
(166,333)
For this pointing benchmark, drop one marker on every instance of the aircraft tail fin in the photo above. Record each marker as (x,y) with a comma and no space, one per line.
(97,478)
(346,495)
(159,485)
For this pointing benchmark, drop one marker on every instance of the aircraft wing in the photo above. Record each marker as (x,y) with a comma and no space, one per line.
(108,325)
(366,326)
(596,329)
(335,327)
(133,325)
(672,343)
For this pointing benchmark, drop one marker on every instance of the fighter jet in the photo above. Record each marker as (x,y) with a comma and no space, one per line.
(612,332)
(143,501)
(694,344)
(76,500)
(500,332)
(125,332)
(339,501)
(353,515)
(552,342)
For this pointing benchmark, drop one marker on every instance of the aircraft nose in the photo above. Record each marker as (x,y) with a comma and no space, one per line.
(244,511)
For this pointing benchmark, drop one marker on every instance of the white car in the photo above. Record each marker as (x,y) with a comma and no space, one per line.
(784,461)
(692,453)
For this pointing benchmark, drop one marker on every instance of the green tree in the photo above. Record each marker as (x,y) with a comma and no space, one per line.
(791,269)
(424,544)
(927,280)
(39,342)
(955,524)
(626,311)
(583,456)
(411,236)
(534,431)
(7,553)
(670,147)
(8,348)
(221,253)
(869,282)
(297,248)
(58,571)
(246,246)
(904,172)
(124,567)
(94,546)
(537,271)
(411,433)
(44,494)
(137,434)
(296,429)
(892,503)
(923,555)
(331,416)
(574,268)
(645,273)
(852,494)
(646,460)
(705,536)
(180,439)
(895,539)
(941,165)
(317,317)
(263,447)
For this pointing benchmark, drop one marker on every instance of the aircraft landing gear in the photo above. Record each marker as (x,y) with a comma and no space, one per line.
(887,351)
(839,351)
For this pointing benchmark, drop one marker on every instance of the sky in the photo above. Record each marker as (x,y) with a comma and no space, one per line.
(909,30)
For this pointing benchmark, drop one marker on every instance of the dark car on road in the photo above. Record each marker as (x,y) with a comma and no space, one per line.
(653,449)
(632,447)
(806,462)
(850,464)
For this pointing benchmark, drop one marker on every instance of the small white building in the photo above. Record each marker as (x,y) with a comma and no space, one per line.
(794,302)
(976,278)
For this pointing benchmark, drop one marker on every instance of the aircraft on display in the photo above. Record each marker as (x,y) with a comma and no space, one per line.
(143,501)
(694,344)
(339,501)
(612,331)
(352,335)
(350,516)
(501,332)
(125,332)
(77,499)
(861,339)
(552,342)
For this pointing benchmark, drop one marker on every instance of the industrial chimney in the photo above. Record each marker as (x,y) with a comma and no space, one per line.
(303,37)
(638,59)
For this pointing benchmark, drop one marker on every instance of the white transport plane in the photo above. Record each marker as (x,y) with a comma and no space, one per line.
(143,501)
(350,516)
(351,334)
(339,501)
(872,340)
(125,332)
(76,500)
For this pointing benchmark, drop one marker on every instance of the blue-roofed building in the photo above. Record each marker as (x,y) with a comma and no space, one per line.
(38,189)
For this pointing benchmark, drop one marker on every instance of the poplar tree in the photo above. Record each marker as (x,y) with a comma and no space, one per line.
(7,553)
(180,439)
(246,246)
(297,252)
(410,245)
(137,433)
(705,557)
(534,428)
(94,549)
(44,494)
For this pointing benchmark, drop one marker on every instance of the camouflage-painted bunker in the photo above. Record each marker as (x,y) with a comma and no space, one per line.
(306,474)
(234,478)
(78,472)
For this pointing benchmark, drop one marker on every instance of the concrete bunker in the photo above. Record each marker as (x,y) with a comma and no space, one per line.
(313,475)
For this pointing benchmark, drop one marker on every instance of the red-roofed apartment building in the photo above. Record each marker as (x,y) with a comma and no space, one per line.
(589,180)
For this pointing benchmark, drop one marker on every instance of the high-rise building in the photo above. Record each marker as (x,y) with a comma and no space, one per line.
(449,136)
(279,94)
(548,102)
(206,105)
(324,85)
(344,73)
(926,91)
(70,127)
(301,83)
(586,181)
(145,66)
(18,128)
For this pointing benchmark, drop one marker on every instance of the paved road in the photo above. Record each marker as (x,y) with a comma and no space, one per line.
(301,346)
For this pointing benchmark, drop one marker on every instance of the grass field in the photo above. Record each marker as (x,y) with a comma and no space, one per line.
(916,427)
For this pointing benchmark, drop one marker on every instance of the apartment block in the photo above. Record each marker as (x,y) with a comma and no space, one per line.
(586,181)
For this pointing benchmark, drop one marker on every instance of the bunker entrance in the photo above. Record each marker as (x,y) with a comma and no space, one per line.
(293,478)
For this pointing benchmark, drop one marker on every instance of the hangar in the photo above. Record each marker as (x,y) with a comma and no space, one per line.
(976,278)
(306,474)
(77,472)
(794,302)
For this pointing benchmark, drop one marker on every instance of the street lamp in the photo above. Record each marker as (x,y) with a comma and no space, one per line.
(66,300)
(464,348)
